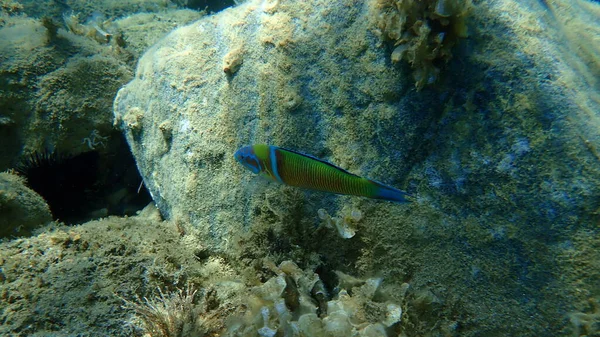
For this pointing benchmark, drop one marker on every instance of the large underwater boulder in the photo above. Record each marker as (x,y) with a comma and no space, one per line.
(501,153)
(307,76)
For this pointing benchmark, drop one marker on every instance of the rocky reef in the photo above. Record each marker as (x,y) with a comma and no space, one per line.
(59,79)
(59,72)
(496,151)
(485,112)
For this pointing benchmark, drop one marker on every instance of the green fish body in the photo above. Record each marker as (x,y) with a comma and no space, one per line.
(300,170)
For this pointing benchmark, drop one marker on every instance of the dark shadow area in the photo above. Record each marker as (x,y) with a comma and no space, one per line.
(88,185)
(210,6)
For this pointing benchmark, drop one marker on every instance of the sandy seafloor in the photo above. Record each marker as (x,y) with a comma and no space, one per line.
(500,240)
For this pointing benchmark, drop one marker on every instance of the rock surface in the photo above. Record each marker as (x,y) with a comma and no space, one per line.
(21,209)
(501,154)
(308,76)
(57,86)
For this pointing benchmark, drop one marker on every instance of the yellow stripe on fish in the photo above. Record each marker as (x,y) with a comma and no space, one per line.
(300,170)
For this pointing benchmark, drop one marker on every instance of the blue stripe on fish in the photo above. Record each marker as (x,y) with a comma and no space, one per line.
(273,159)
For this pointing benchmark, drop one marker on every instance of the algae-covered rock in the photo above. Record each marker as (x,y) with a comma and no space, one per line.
(104,8)
(306,75)
(21,209)
(73,280)
(141,30)
(53,94)
(501,154)
(58,82)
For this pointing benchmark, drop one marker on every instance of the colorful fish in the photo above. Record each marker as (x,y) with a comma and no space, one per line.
(300,170)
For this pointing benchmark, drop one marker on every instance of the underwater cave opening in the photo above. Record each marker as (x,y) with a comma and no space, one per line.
(88,185)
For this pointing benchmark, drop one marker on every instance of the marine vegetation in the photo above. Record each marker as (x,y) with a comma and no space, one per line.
(423,33)
(93,29)
(171,315)
(344,223)
(295,302)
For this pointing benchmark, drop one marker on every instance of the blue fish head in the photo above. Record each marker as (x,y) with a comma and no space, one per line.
(248,159)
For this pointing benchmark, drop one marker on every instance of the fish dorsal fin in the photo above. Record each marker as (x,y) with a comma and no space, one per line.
(318,159)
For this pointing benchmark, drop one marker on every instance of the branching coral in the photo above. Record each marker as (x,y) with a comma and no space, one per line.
(422,32)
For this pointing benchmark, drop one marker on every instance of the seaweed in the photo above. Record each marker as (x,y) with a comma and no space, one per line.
(423,33)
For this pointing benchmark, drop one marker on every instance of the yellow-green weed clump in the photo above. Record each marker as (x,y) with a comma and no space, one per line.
(422,32)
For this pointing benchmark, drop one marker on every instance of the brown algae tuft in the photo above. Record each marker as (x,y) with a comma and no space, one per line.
(422,33)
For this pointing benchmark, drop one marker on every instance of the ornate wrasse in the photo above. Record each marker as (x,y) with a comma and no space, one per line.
(300,170)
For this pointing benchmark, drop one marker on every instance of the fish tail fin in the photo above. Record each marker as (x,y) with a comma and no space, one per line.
(389,193)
